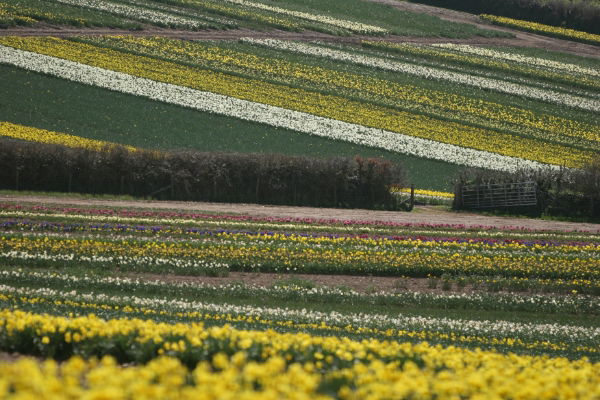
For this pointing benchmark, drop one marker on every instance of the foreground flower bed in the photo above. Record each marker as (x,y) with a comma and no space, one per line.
(218,361)
(504,337)
(235,377)
(169,336)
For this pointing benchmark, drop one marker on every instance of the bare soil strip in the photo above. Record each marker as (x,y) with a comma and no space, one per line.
(362,284)
(420,215)
(365,284)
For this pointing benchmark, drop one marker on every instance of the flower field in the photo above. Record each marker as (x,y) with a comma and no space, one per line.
(244,360)
(113,295)
(113,299)
(455,104)
(330,16)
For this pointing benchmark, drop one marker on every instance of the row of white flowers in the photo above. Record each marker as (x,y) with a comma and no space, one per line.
(518,58)
(433,73)
(532,81)
(527,331)
(350,25)
(138,13)
(413,230)
(475,69)
(262,113)
(187,264)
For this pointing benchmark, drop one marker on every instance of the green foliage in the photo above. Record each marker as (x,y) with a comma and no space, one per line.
(196,176)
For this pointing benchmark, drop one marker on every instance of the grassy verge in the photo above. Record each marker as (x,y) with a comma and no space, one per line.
(534,214)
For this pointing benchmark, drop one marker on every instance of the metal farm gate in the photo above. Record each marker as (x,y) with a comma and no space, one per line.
(499,195)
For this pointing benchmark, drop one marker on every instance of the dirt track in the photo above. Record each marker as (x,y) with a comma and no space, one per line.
(521,39)
(421,215)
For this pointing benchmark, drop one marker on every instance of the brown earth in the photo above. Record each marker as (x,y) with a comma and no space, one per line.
(363,284)
(420,215)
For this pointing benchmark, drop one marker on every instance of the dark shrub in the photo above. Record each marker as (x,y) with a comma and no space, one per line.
(201,176)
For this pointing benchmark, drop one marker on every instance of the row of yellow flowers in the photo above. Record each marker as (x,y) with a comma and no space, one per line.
(283,254)
(270,365)
(478,112)
(315,103)
(423,192)
(543,29)
(114,244)
(32,134)
(440,336)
